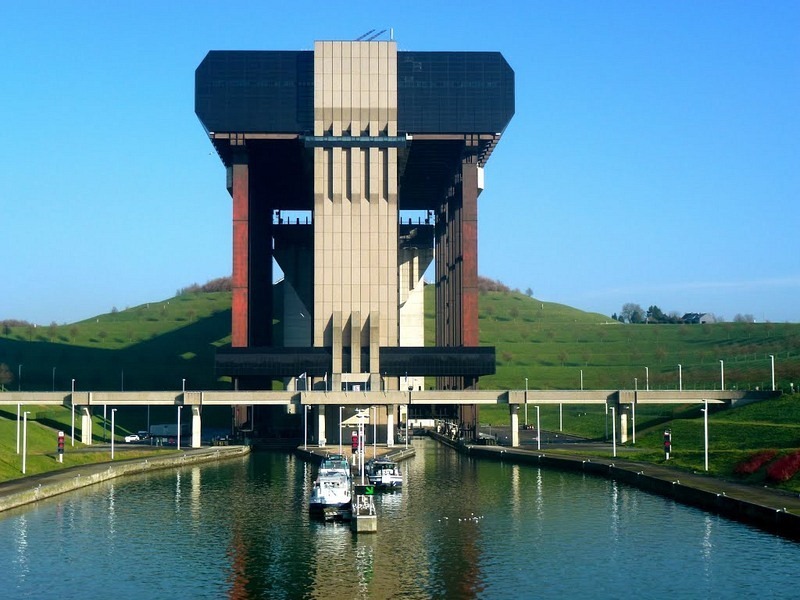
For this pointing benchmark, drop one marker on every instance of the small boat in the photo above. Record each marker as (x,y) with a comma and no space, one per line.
(335,462)
(330,496)
(384,474)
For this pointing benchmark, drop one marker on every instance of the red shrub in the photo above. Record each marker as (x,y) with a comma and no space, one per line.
(785,467)
(755,462)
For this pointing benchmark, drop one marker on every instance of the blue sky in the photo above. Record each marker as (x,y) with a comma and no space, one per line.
(654,156)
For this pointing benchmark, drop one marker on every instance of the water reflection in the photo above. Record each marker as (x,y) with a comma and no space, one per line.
(21,565)
(195,496)
(460,528)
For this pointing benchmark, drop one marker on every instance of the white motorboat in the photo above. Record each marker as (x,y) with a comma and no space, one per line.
(384,474)
(331,495)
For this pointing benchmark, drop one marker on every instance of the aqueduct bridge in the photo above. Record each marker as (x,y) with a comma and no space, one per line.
(623,402)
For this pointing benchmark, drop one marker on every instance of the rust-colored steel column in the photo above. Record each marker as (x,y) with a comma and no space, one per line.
(469,253)
(240,183)
(457,267)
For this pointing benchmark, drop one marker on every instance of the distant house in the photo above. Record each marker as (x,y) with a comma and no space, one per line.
(695,318)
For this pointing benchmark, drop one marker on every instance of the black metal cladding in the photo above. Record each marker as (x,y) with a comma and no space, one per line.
(255,91)
(273,362)
(273,92)
(438,361)
(394,362)
(454,92)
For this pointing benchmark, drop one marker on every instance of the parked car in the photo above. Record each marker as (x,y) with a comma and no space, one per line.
(132,438)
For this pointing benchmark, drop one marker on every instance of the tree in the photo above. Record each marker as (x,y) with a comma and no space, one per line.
(656,315)
(529,292)
(6,376)
(632,313)
(746,318)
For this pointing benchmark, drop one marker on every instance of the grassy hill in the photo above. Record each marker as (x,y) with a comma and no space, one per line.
(552,344)
(157,345)
(152,346)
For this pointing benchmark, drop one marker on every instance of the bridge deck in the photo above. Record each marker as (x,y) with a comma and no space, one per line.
(423,397)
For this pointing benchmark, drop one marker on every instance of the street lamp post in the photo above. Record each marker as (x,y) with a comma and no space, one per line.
(680,378)
(19,407)
(54,379)
(538,431)
(374,432)
(105,423)
(24,439)
(305,426)
(72,415)
(581,379)
(113,413)
(19,384)
(636,384)
(340,428)
(179,427)
(705,431)
(526,402)
(647,378)
(772,361)
(406,426)
(721,375)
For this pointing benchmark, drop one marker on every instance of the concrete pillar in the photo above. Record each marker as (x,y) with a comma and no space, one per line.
(196,427)
(321,425)
(622,425)
(513,409)
(390,425)
(86,425)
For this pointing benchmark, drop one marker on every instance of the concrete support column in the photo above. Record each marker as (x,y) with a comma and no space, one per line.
(196,427)
(514,410)
(321,425)
(390,425)
(86,425)
(622,425)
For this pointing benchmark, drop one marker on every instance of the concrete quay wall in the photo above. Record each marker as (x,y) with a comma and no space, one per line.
(772,510)
(27,490)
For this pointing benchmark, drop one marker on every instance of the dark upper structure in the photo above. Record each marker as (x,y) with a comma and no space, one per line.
(273,92)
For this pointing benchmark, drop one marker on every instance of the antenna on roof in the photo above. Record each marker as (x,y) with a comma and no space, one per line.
(372,37)
(361,37)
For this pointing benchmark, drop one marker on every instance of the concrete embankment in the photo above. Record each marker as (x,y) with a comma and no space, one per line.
(317,455)
(773,510)
(26,490)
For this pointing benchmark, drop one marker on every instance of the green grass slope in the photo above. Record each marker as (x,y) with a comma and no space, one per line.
(157,345)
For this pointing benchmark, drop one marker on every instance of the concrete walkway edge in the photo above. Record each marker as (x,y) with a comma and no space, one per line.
(19,492)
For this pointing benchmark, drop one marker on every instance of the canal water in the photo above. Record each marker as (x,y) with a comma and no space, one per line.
(461,528)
